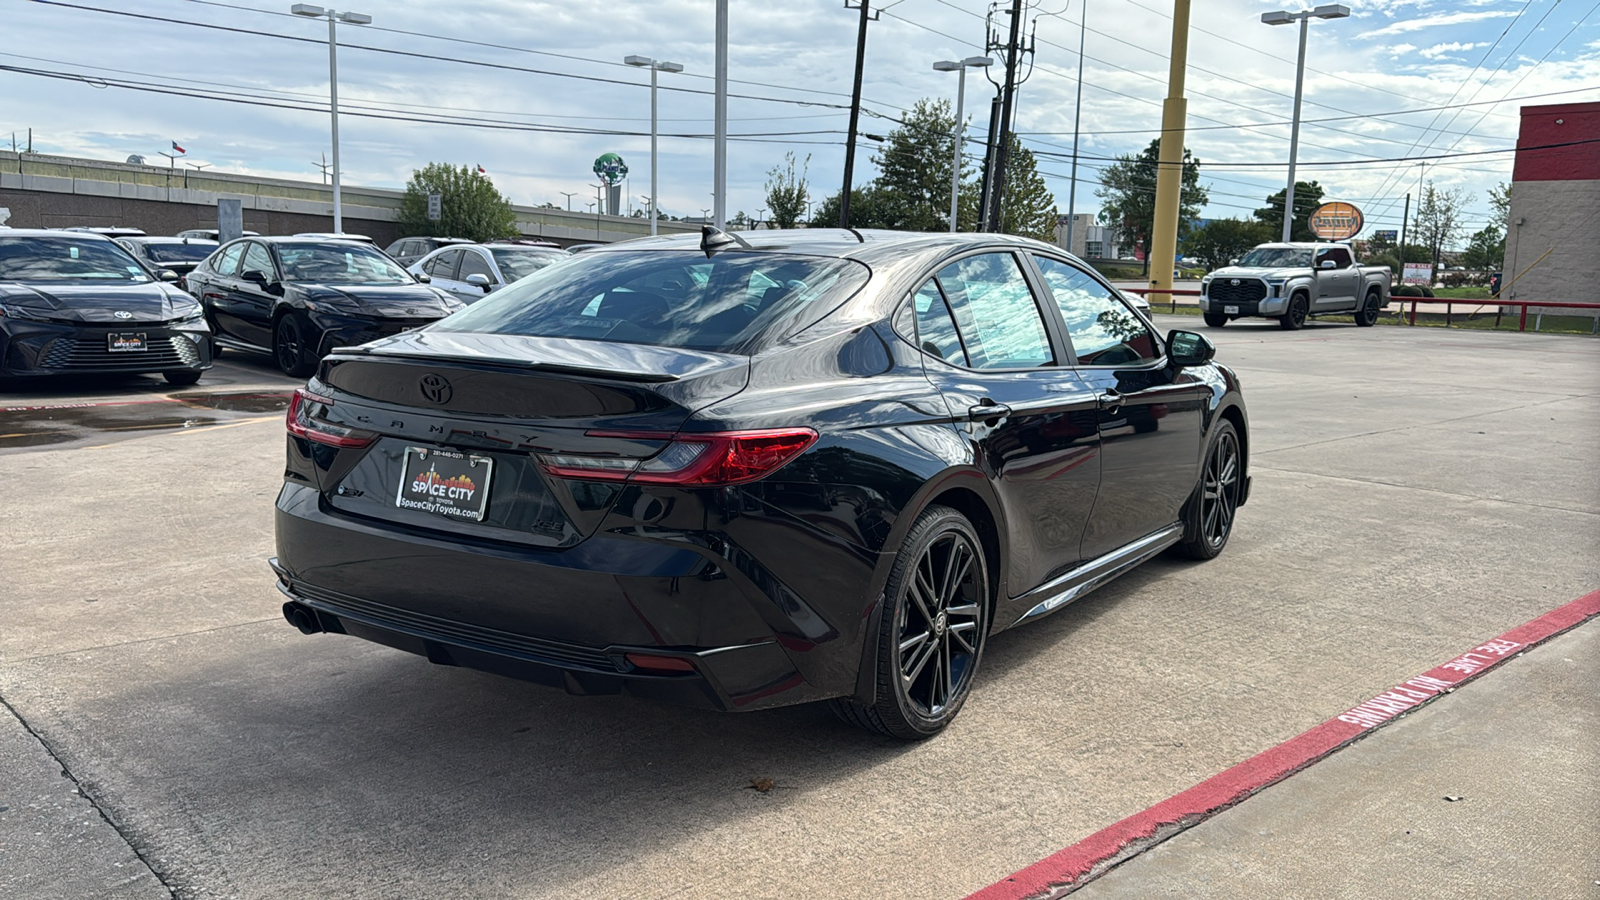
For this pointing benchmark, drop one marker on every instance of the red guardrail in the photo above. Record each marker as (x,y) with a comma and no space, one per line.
(1522,320)
(1448,302)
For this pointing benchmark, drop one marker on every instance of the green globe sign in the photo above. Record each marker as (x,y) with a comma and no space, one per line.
(610,168)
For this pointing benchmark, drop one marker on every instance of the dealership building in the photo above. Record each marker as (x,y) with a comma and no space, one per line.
(1553,238)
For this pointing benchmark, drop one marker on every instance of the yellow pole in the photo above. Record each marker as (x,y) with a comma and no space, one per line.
(1163,248)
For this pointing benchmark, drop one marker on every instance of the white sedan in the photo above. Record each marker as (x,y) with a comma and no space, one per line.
(468,271)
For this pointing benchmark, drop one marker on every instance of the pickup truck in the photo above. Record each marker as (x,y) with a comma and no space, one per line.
(1293,282)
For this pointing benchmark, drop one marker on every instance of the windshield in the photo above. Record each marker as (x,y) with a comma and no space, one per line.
(518,264)
(732,302)
(339,264)
(178,253)
(66,259)
(1277,258)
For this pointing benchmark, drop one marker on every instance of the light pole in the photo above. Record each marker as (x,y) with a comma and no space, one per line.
(655,66)
(569,195)
(334,17)
(960,68)
(1304,17)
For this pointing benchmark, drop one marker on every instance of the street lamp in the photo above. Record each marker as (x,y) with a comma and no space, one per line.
(654,65)
(334,17)
(1283,17)
(569,195)
(961,91)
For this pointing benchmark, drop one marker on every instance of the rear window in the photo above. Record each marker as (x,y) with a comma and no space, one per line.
(733,302)
(178,253)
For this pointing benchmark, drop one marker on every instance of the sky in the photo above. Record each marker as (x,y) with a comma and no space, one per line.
(533,91)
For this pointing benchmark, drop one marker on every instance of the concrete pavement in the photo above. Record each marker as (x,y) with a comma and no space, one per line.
(1416,491)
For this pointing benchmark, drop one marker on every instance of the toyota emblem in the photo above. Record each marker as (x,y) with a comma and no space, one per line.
(1234,282)
(123,314)
(436,388)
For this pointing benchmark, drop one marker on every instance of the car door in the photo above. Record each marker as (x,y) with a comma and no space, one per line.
(442,270)
(474,262)
(1336,287)
(254,303)
(214,283)
(1031,419)
(1149,417)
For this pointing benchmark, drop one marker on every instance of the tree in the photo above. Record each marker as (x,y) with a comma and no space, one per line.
(1485,250)
(1220,241)
(1307,197)
(470,205)
(1438,220)
(870,207)
(1128,191)
(914,165)
(1027,207)
(786,191)
(1500,206)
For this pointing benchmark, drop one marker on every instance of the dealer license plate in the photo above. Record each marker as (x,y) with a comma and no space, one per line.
(444,482)
(1231,310)
(127,342)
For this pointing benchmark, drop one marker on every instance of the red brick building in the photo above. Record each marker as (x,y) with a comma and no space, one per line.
(1553,242)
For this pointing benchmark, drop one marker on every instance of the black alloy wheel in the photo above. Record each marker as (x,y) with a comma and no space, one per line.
(1367,315)
(289,347)
(1295,315)
(1208,518)
(1216,320)
(931,635)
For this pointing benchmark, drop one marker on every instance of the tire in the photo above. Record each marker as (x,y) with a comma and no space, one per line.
(934,624)
(1295,316)
(289,348)
(1208,516)
(181,377)
(1367,315)
(1215,320)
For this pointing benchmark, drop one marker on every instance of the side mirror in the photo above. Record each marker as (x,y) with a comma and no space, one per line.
(167,275)
(1186,348)
(422,277)
(255,276)
(1327,264)
(481,280)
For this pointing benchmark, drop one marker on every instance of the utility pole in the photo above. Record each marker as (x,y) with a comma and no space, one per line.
(1169,173)
(1077,117)
(855,111)
(1404,218)
(719,165)
(1003,136)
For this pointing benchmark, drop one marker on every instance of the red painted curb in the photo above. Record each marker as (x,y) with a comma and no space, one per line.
(1065,871)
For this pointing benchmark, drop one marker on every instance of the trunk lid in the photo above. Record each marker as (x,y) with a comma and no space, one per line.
(481,410)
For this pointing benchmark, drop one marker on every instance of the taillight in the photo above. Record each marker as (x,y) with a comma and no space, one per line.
(302,421)
(697,460)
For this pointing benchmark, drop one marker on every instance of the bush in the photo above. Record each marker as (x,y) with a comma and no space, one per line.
(1407,290)
(1425,291)
(1456,279)
(1387,259)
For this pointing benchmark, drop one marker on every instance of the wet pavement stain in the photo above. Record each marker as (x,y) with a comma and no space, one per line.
(48,425)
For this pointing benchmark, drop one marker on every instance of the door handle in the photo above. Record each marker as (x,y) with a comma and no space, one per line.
(988,410)
(1110,401)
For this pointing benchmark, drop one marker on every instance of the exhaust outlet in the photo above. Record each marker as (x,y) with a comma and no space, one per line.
(302,617)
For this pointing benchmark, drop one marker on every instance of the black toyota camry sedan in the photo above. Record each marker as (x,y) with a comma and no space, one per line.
(748,471)
(298,297)
(76,303)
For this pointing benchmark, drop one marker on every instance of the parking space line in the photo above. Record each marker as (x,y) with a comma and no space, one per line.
(1066,871)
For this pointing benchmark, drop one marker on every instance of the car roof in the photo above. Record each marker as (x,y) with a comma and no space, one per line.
(866,245)
(55,232)
(167,239)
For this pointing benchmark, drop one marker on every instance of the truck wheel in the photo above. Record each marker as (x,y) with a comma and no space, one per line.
(1295,315)
(1216,320)
(1367,315)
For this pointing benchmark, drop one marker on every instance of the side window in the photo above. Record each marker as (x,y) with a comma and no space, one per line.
(1339,255)
(443,265)
(1104,331)
(228,259)
(935,330)
(995,313)
(473,263)
(257,259)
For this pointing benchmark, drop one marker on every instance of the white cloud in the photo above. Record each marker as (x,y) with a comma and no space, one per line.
(1457,18)
(1438,50)
(1402,49)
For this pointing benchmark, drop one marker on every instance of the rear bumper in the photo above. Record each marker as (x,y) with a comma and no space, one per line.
(568,617)
(30,348)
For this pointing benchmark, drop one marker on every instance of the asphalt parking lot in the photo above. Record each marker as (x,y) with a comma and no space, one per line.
(1416,491)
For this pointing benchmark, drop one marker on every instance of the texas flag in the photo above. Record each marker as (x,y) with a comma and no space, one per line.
(482,171)
(178,149)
